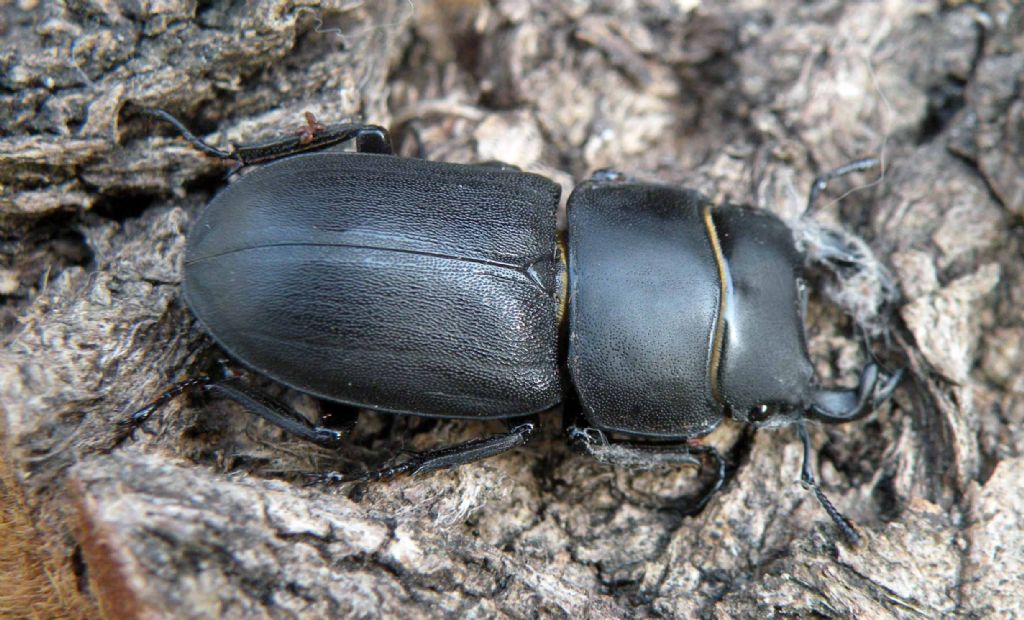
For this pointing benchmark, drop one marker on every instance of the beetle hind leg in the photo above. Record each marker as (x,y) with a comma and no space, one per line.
(521,430)
(254,401)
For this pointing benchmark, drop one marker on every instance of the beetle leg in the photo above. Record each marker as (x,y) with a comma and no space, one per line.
(593,442)
(275,412)
(443,458)
(807,479)
(843,404)
(138,419)
(714,487)
(255,402)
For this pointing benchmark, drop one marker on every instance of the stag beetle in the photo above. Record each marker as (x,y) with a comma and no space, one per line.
(443,290)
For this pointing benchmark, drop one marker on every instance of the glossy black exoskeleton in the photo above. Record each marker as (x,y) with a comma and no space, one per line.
(436,289)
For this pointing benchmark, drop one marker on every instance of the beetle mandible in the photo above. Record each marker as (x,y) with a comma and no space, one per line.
(443,290)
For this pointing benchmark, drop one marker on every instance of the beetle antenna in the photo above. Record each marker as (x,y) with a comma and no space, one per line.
(807,479)
(167,117)
(821,181)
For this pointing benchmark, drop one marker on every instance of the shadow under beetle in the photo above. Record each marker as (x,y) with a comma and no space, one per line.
(443,290)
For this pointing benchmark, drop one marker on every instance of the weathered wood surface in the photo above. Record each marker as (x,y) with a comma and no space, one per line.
(209,517)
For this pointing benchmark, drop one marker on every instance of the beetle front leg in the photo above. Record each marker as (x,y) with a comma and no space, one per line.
(519,434)
(807,479)
(254,401)
(595,443)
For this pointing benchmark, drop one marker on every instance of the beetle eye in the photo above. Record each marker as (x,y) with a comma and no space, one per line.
(762,413)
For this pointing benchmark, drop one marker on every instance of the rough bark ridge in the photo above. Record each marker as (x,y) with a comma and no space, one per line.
(208,517)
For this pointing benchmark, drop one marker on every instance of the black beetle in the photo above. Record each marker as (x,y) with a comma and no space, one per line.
(443,290)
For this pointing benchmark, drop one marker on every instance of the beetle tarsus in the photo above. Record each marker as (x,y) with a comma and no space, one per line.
(391,471)
(807,479)
(468,452)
